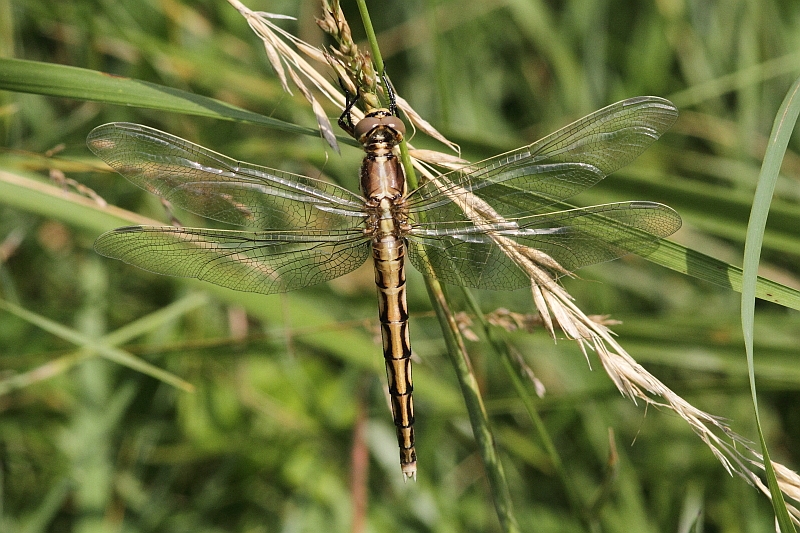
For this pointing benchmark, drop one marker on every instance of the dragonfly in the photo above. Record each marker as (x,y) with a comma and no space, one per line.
(293,231)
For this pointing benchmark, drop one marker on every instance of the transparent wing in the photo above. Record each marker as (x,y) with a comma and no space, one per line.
(461,253)
(217,187)
(267,262)
(527,180)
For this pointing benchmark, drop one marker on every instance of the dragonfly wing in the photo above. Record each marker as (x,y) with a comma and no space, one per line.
(527,180)
(469,262)
(267,262)
(217,187)
(464,254)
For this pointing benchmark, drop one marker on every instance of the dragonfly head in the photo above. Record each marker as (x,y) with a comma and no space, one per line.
(380,126)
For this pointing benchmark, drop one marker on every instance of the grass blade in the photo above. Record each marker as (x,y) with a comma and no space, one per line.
(84,84)
(696,264)
(124,334)
(112,354)
(503,352)
(776,149)
(478,417)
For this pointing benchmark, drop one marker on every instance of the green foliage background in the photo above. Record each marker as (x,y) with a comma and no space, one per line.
(285,393)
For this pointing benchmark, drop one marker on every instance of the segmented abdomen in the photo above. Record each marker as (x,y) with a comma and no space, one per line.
(390,278)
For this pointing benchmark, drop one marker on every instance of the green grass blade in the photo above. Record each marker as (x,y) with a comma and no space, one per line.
(377,58)
(157,319)
(478,416)
(124,334)
(518,381)
(469,388)
(112,354)
(746,77)
(23,192)
(479,419)
(696,264)
(84,84)
(48,506)
(776,149)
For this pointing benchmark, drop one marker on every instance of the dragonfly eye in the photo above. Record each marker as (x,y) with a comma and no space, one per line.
(365,126)
(378,119)
(396,124)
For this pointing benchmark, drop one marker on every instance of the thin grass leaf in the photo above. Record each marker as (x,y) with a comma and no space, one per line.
(502,350)
(51,369)
(746,77)
(49,506)
(157,319)
(478,417)
(83,84)
(778,141)
(23,192)
(112,354)
(377,58)
(696,264)
(124,334)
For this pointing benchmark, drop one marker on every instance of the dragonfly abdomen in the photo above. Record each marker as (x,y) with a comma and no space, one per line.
(390,278)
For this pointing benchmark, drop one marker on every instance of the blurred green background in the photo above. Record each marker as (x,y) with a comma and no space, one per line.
(288,398)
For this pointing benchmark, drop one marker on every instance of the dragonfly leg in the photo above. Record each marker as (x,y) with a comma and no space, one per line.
(346,118)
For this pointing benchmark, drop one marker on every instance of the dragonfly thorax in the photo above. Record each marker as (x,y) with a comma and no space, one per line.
(382,174)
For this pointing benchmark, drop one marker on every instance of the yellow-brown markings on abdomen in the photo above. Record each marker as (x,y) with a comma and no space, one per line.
(390,279)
